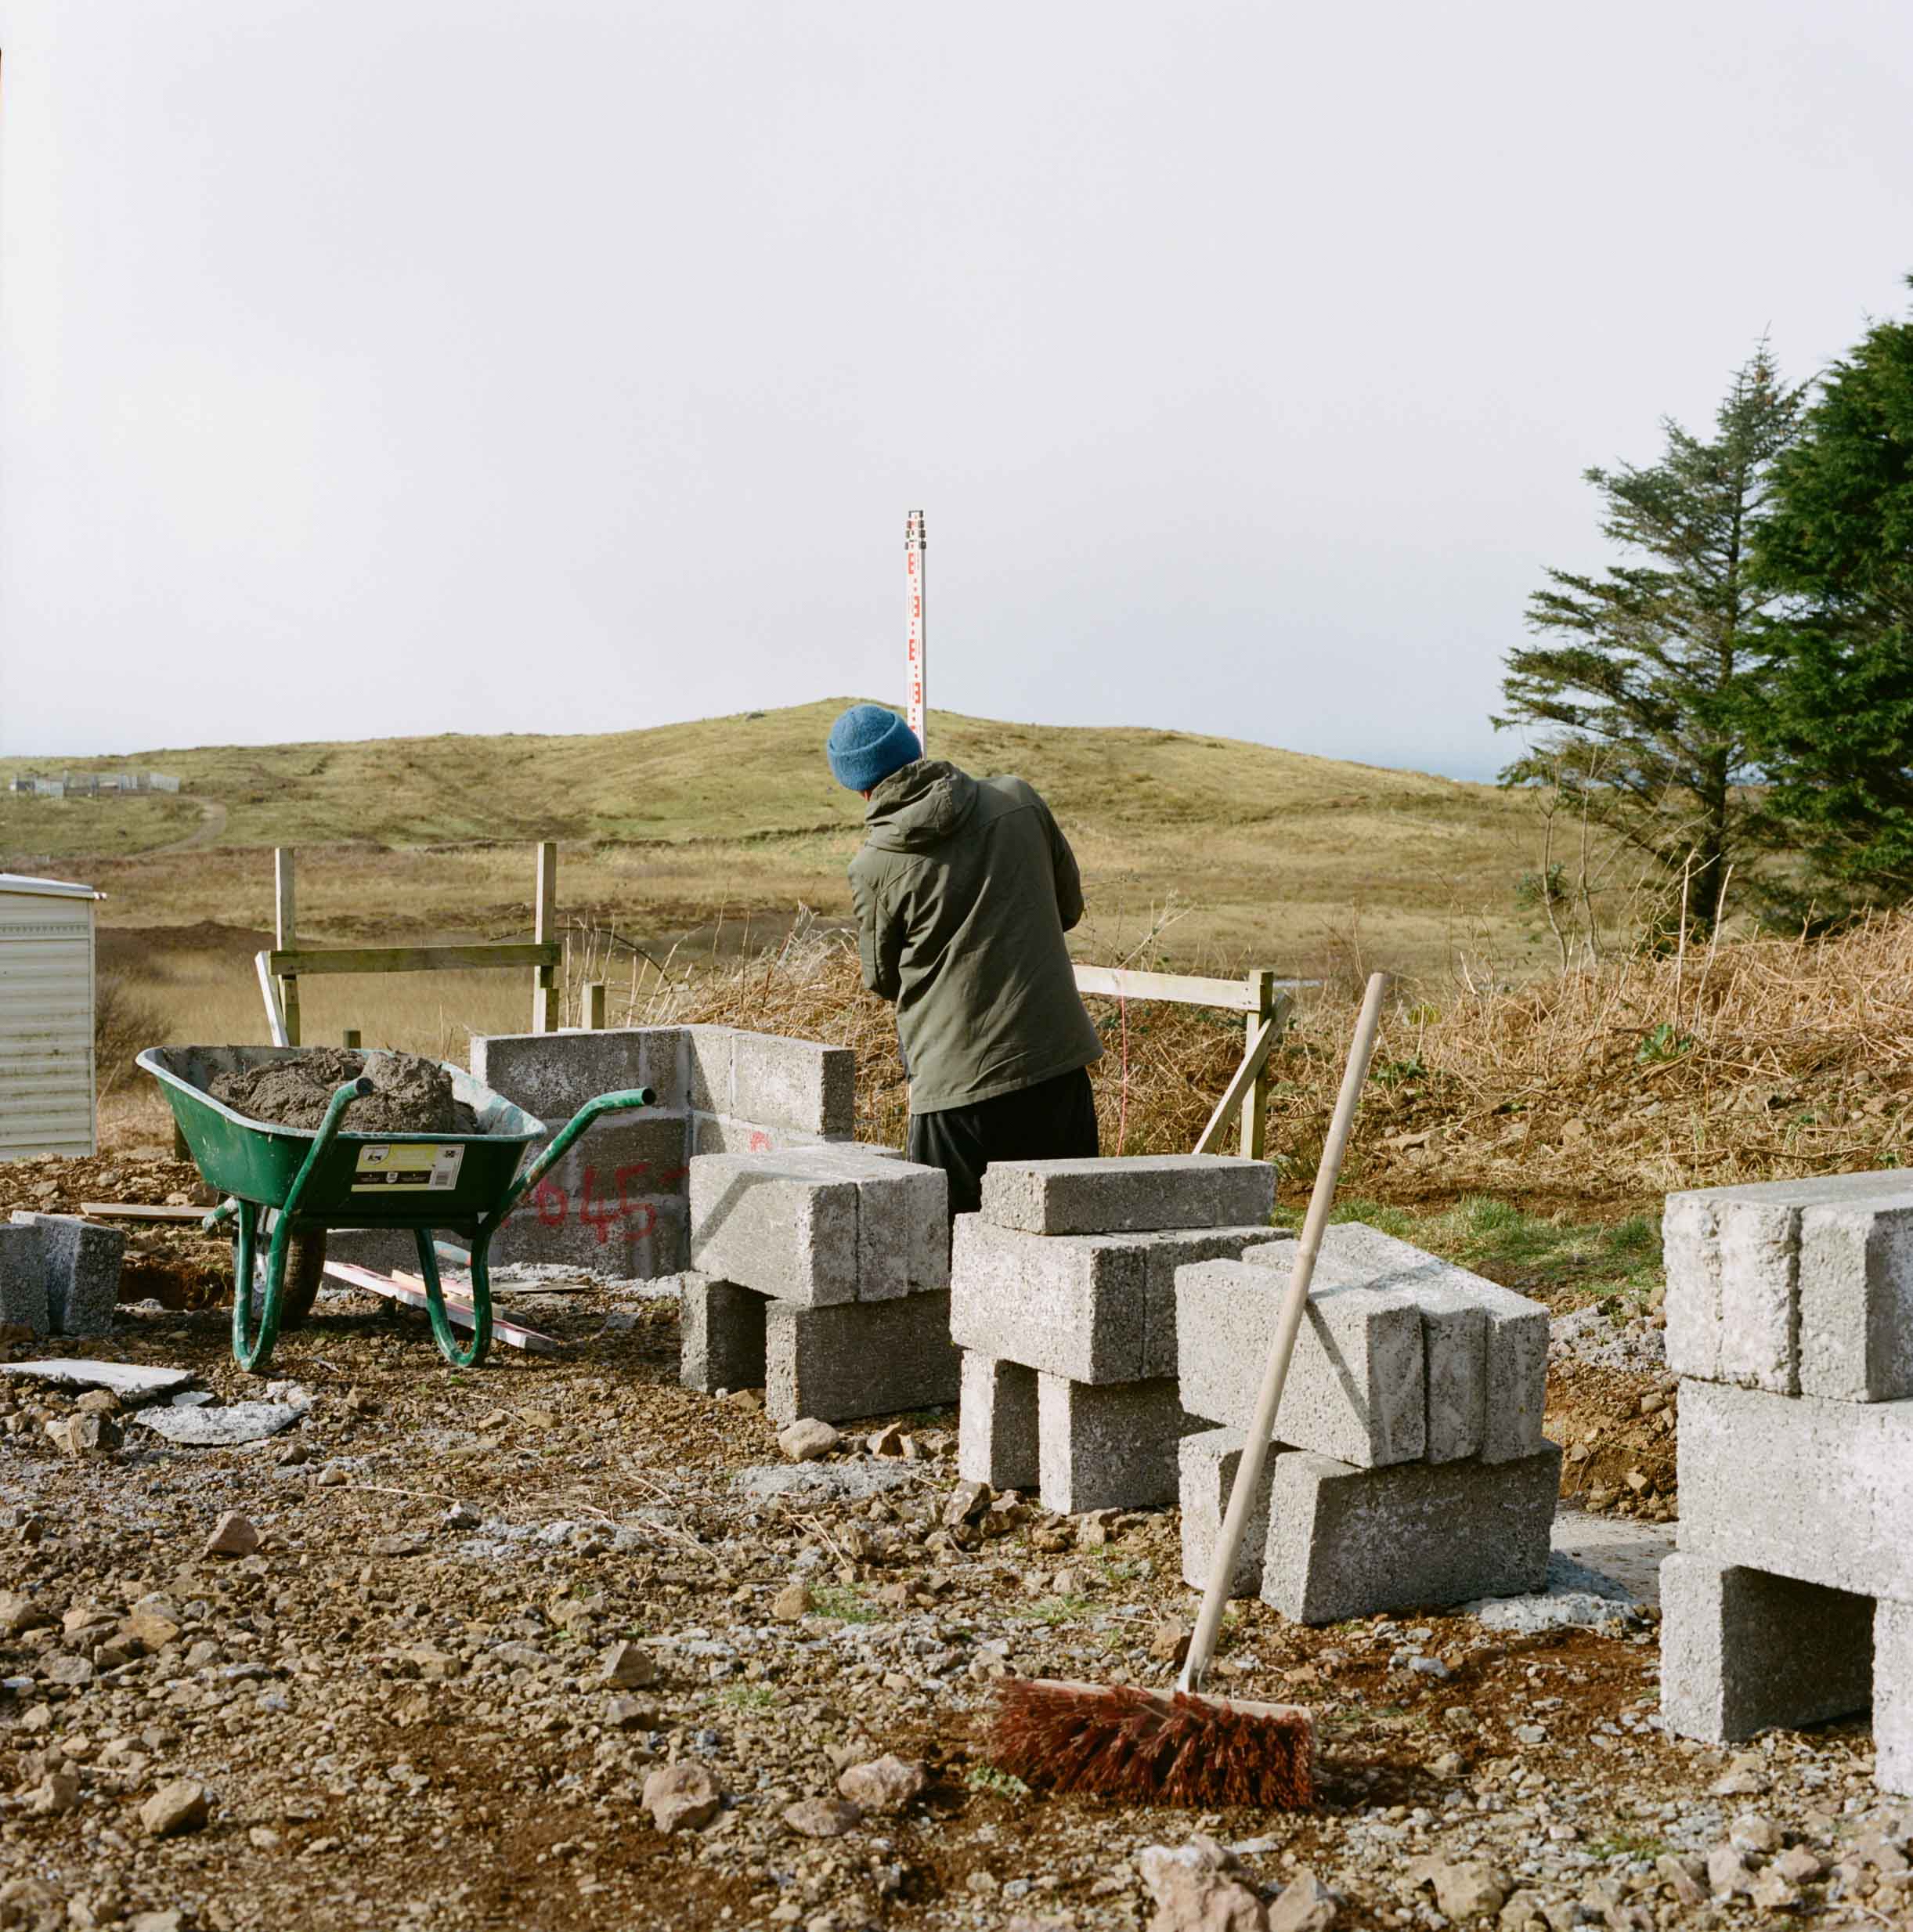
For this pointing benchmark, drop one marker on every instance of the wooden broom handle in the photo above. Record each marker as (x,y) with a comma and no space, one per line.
(1261,1427)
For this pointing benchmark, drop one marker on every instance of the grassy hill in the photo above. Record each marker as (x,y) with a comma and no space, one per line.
(1197,851)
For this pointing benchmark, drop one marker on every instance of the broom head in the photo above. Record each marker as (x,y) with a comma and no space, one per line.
(1152,1747)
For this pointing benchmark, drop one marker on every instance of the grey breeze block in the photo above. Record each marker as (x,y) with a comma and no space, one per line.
(1346,1542)
(859,1358)
(1109,1447)
(1893,1696)
(1484,1347)
(1095,1307)
(820,1226)
(1129,1194)
(80,1263)
(1819,1491)
(1742,1649)
(1356,1388)
(770,1081)
(1795,1286)
(721,1334)
(615,1205)
(996,1423)
(1208,1461)
(23,1278)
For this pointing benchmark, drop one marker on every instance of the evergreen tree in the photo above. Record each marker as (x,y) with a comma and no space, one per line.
(1638,698)
(1833,720)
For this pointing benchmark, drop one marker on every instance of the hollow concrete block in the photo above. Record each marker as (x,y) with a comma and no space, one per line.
(996,1423)
(1356,1388)
(1128,1193)
(1893,1696)
(1207,1462)
(23,1277)
(768,1222)
(859,1358)
(1347,1542)
(1073,1305)
(1112,1447)
(1742,1649)
(721,1329)
(1821,1492)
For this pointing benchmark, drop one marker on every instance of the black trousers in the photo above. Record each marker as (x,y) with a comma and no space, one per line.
(1054,1120)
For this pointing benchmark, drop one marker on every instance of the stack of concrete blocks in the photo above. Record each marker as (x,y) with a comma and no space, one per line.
(822,1272)
(1789,1599)
(1063,1299)
(1408,1466)
(617,1205)
(59,1275)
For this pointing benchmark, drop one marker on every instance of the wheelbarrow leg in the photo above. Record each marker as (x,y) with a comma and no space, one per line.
(474,1351)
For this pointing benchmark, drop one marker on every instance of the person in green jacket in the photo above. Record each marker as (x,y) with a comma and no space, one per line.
(964,888)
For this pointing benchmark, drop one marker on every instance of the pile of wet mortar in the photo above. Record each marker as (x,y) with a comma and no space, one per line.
(409,1096)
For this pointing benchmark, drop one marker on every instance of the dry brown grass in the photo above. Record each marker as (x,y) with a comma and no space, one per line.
(1607,1088)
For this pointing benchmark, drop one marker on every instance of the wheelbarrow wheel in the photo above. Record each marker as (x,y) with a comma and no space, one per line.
(305,1263)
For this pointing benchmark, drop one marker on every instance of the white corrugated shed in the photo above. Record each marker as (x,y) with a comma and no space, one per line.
(46,1017)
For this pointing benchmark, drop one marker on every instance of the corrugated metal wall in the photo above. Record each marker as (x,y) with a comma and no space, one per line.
(46,1025)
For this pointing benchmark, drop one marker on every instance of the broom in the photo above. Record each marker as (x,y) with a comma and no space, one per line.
(1181,1748)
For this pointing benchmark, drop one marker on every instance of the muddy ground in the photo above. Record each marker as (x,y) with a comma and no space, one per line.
(404,1705)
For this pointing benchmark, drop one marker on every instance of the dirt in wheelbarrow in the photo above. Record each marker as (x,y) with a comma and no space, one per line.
(409,1096)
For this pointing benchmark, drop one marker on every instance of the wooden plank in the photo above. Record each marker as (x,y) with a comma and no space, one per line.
(269,992)
(1259,987)
(286,939)
(1231,1102)
(1180,988)
(592,1019)
(412,958)
(140,1211)
(463,1315)
(544,980)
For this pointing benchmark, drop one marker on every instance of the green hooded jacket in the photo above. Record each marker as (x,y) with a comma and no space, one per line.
(964,888)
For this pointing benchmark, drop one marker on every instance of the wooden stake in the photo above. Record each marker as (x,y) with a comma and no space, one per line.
(544,978)
(592,1019)
(286,925)
(1260,989)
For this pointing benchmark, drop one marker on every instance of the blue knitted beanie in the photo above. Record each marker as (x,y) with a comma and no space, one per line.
(867,744)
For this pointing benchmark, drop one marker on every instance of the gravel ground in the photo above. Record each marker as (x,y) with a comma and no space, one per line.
(485,1608)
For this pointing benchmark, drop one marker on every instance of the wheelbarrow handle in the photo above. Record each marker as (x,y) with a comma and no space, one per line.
(342,1098)
(627,1102)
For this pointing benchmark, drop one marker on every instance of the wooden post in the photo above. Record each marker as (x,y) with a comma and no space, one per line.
(1261,1004)
(592,1019)
(349,1039)
(285,924)
(544,978)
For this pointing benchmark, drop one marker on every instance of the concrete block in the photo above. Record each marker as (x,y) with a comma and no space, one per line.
(768,1222)
(1742,1650)
(1741,1309)
(708,1053)
(1893,1696)
(721,1329)
(552,1074)
(1856,1301)
(81,1271)
(1347,1542)
(1485,1346)
(1819,1491)
(1207,1463)
(996,1424)
(1357,1386)
(793,1083)
(1073,1305)
(1109,1447)
(903,1206)
(1163,1253)
(723,1133)
(859,1359)
(1128,1193)
(23,1267)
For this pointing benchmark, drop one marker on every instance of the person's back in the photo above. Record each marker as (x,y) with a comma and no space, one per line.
(964,889)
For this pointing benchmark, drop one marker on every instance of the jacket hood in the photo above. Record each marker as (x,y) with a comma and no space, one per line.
(919,807)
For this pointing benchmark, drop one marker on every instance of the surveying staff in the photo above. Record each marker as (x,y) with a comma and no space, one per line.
(964,888)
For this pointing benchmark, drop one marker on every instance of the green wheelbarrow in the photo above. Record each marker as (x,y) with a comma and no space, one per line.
(315,1177)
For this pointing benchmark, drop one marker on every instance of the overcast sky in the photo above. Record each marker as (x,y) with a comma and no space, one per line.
(383,366)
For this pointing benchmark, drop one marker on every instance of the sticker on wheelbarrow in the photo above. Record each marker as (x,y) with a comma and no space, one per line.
(410,1168)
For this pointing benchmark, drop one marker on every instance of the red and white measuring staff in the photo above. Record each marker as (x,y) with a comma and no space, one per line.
(915,544)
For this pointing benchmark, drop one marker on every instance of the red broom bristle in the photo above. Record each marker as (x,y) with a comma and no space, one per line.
(1125,1743)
